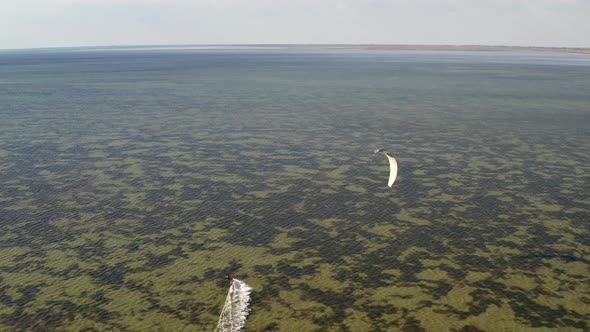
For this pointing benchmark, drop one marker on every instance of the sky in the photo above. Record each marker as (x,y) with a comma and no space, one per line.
(65,23)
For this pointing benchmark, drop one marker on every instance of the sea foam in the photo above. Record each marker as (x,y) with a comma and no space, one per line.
(235,310)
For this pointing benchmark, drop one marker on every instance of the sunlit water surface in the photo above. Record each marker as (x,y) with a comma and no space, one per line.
(133,181)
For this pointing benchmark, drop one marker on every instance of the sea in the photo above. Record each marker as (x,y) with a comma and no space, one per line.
(134,180)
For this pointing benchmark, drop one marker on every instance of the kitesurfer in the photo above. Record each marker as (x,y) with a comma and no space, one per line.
(230,277)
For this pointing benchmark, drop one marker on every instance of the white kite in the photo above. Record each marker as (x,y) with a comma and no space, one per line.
(392,166)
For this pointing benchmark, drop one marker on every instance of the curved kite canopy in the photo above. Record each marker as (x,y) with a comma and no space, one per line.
(392,169)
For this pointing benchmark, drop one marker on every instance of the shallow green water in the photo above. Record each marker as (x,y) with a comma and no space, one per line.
(131,182)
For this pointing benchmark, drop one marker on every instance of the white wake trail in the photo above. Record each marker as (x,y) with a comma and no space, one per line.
(235,311)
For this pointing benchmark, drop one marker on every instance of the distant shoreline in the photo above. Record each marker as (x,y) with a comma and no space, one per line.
(411,47)
(475,48)
(368,47)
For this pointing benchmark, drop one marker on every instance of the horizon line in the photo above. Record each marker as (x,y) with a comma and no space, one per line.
(369,46)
